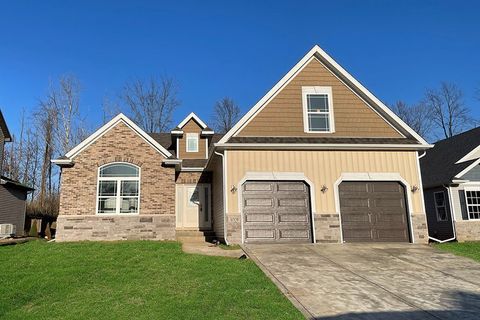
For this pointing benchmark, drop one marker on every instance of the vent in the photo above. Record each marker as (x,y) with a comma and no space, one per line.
(7,230)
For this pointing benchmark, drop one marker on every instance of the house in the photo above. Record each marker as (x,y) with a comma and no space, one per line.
(13,194)
(451,182)
(318,159)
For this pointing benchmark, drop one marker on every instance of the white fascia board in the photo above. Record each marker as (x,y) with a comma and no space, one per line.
(109,125)
(321,146)
(470,167)
(470,156)
(179,132)
(172,161)
(62,161)
(207,132)
(316,50)
(190,116)
(192,169)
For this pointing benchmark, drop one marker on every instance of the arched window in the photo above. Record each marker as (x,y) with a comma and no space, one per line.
(118,189)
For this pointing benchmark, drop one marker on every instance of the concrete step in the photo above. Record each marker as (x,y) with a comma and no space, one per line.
(192,236)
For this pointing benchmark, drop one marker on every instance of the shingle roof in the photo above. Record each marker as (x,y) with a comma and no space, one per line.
(165,140)
(438,165)
(4,128)
(194,163)
(14,183)
(326,140)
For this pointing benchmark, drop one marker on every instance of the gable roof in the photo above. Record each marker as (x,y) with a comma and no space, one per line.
(343,75)
(4,128)
(441,164)
(120,118)
(192,115)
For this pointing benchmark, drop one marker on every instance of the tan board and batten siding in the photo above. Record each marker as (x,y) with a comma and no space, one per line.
(217,198)
(321,168)
(191,127)
(283,115)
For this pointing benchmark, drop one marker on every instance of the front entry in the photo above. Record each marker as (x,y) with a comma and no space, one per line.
(193,205)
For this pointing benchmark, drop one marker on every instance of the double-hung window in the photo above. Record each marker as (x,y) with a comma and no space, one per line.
(440,207)
(317,109)
(473,203)
(192,142)
(118,189)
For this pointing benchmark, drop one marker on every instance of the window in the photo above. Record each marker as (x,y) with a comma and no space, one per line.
(317,109)
(473,203)
(118,189)
(440,207)
(192,142)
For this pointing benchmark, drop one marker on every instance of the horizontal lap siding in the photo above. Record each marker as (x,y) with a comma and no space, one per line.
(12,209)
(283,115)
(217,197)
(191,127)
(322,168)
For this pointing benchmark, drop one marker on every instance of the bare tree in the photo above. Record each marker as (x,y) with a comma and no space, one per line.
(110,108)
(225,114)
(448,110)
(152,102)
(417,116)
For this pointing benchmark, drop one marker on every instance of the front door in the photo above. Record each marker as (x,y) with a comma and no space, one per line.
(193,207)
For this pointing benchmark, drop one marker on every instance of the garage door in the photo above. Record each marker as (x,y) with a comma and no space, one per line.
(276,211)
(373,211)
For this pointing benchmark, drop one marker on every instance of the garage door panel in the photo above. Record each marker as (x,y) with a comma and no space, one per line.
(375,212)
(258,186)
(277,214)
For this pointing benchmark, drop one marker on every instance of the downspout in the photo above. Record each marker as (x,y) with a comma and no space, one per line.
(224,197)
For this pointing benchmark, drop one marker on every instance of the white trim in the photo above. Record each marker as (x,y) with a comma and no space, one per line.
(176,132)
(470,188)
(374,176)
(192,169)
(118,197)
(316,50)
(172,161)
(206,148)
(190,136)
(437,207)
(469,156)
(420,181)
(322,146)
(224,188)
(470,167)
(278,176)
(61,161)
(207,133)
(109,125)
(190,116)
(314,90)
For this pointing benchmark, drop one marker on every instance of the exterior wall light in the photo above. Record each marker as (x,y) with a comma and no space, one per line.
(414,189)
(233,189)
(324,189)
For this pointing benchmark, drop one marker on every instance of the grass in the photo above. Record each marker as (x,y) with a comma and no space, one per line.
(132,280)
(466,249)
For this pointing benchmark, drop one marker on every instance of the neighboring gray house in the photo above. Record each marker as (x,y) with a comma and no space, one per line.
(451,183)
(13,195)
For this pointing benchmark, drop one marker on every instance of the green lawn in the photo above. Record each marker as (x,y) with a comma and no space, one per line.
(132,280)
(466,249)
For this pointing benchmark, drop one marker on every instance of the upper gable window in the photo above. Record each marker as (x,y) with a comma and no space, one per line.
(192,142)
(317,109)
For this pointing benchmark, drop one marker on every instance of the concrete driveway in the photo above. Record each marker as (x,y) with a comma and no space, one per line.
(379,281)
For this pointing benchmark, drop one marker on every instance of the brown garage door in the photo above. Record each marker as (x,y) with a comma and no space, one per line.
(373,211)
(276,211)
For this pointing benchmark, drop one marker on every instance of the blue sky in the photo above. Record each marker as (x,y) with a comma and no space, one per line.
(237,49)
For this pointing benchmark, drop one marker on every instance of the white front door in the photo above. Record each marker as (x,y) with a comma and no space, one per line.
(193,206)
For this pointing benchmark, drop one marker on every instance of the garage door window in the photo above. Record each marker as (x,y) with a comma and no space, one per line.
(473,203)
(440,208)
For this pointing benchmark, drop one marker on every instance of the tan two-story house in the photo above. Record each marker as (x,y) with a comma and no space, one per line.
(318,159)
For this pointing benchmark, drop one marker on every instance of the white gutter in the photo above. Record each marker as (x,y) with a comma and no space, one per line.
(322,146)
(224,198)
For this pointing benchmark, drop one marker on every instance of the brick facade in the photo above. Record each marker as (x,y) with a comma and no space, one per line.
(467,230)
(188,177)
(79,189)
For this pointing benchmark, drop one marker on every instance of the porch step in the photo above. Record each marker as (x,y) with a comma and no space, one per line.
(195,236)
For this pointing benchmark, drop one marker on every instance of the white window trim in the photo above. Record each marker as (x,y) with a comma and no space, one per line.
(437,207)
(466,201)
(190,136)
(118,180)
(317,90)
